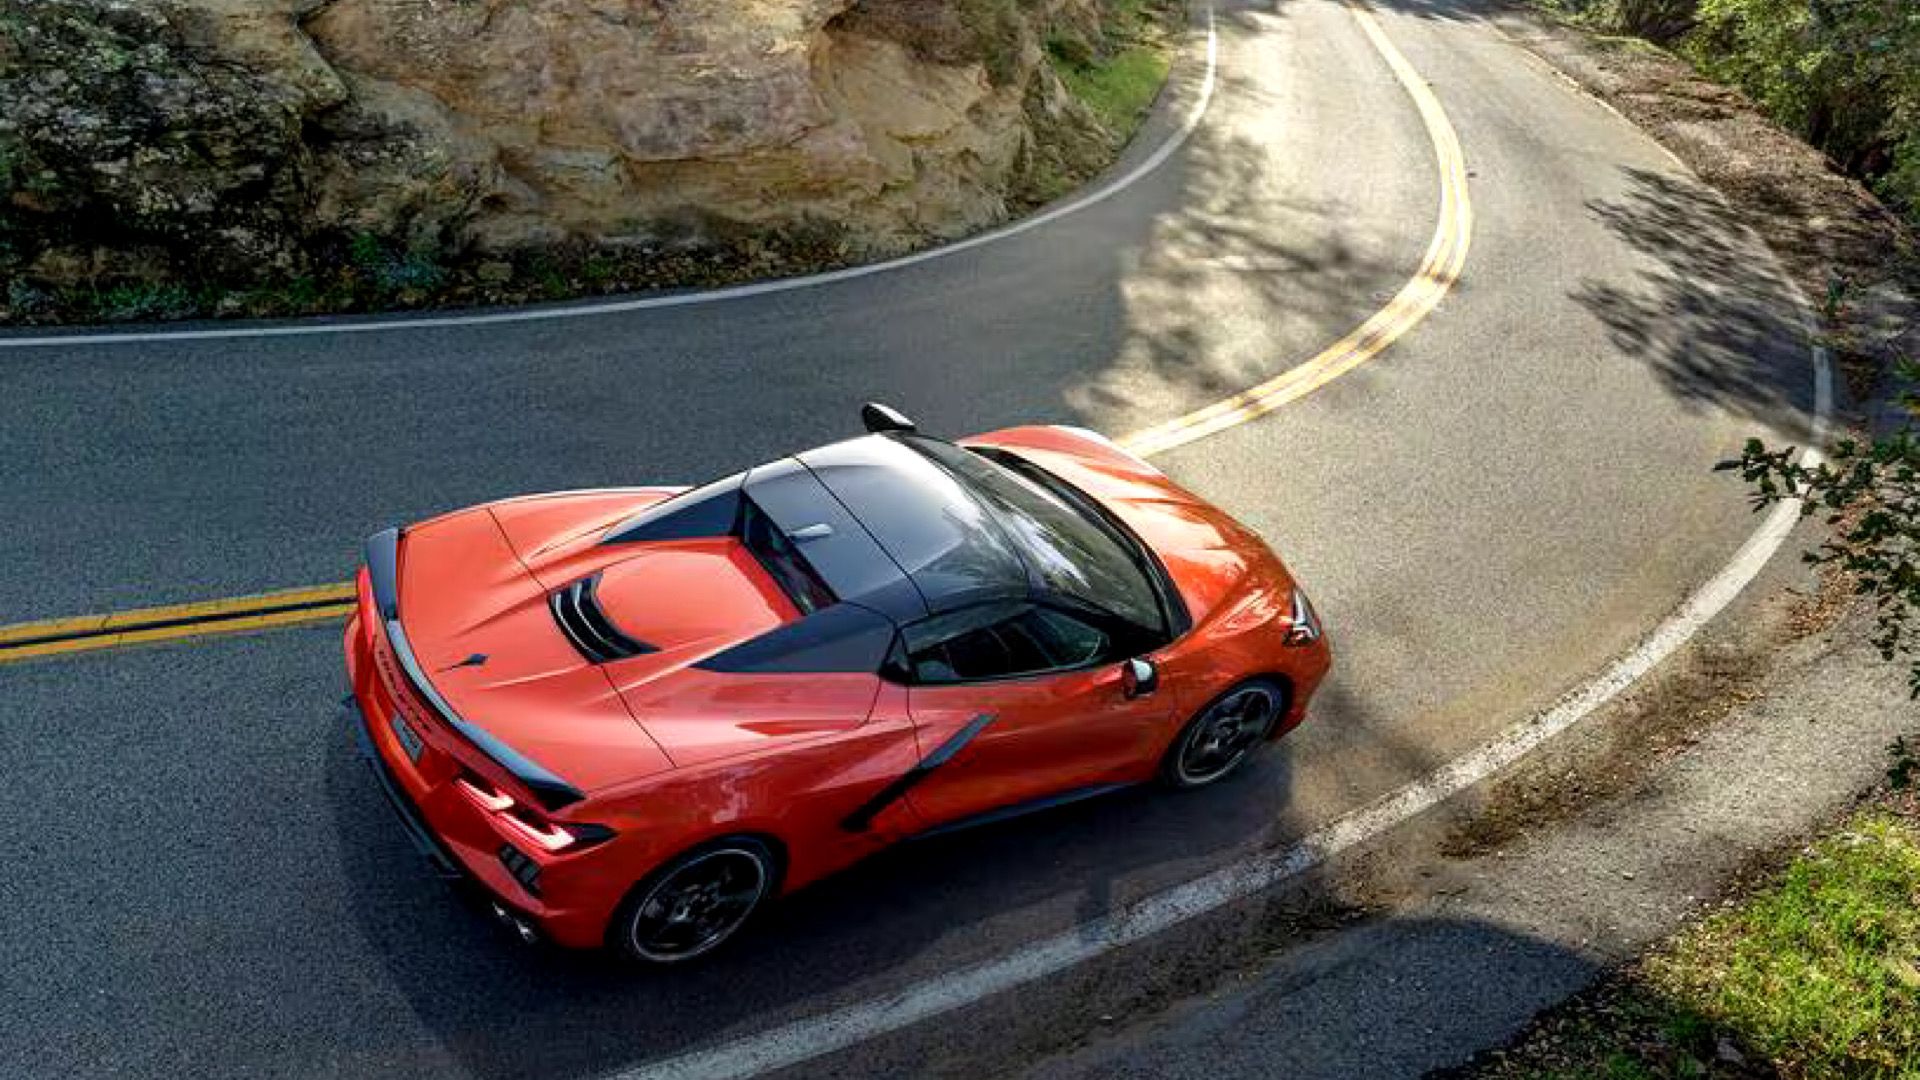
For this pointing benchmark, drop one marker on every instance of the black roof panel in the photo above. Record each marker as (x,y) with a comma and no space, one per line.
(708,510)
(930,526)
(838,547)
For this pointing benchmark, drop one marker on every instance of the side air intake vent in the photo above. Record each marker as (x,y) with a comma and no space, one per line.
(580,618)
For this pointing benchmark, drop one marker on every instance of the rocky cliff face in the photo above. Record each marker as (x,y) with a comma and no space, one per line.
(231,133)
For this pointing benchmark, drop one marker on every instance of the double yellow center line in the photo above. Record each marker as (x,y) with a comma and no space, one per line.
(1446,257)
(1439,270)
(84,633)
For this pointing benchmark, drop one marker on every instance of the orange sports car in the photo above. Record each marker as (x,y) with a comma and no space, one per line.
(634,716)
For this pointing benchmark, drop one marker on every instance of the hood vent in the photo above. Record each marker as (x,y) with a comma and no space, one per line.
(587,627)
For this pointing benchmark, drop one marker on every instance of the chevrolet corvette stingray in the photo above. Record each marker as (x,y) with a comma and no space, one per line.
(634,716)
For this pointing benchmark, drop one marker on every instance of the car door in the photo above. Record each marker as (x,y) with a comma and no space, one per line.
(1050,683)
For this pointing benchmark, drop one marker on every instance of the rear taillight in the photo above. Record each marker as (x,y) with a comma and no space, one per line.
(489,799)
(524,824)
(553,838)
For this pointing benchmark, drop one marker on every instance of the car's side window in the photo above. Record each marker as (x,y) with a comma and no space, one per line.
(1071,642)
(999,641)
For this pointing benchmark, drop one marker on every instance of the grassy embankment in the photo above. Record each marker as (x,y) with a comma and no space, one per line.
(1116,71)
(1119,76)
(1815,975)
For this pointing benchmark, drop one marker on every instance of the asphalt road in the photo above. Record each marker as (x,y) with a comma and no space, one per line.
(204,881)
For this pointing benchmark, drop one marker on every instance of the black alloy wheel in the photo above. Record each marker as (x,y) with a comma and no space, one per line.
(1224,735)
(695,903)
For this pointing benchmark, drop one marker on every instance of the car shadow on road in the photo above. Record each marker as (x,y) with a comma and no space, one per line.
(914,912)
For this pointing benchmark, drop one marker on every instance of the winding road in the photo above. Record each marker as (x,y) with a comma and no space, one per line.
(1497,493)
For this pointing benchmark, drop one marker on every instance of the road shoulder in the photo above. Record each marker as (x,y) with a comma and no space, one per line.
(1475,946)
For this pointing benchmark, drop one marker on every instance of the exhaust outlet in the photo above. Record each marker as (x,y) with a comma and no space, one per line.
(521,928)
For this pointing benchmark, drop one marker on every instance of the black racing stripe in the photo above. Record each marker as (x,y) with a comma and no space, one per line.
(209,619)
(862,817)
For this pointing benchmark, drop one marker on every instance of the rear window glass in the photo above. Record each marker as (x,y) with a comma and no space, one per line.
(782,559)
(1074,554)
(925,519)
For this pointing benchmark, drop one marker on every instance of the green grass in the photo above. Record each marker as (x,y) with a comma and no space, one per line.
(1817,975)
(1823,970)
(1119,72)
(1119,88)
(132,302)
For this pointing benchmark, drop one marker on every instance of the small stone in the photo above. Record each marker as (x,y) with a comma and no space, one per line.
(495,272)
(1729,1053)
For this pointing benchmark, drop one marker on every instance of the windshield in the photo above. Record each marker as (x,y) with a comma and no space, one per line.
(1074,553)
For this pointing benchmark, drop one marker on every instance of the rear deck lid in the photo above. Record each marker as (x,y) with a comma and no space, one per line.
(484,638)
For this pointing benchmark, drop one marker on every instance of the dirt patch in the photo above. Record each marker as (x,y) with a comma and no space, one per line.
(1664,717)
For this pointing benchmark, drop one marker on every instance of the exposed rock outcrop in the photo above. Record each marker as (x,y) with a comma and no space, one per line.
(228,136)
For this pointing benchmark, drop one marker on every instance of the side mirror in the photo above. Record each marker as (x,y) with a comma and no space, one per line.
(1138,678)
(881,418)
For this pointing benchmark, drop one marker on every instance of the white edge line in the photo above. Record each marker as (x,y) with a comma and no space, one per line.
(806,1039)
(647,303)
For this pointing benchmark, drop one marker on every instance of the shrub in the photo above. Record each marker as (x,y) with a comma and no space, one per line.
(1657,20)
(1845,74)
(1870,494)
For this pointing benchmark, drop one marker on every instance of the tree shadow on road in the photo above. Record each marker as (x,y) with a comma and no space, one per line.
(1394,997)
(1709,312)
(1245,279)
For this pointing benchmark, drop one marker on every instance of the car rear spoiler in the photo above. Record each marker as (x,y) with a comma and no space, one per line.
(383,561)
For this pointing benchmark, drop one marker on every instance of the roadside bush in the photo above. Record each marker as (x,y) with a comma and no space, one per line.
(390,270)
(1844,74)
(1662,21)
(1658,20)
(1870,495)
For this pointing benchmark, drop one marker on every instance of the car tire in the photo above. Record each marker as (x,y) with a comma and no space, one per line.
(695,902)
(1223,735)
